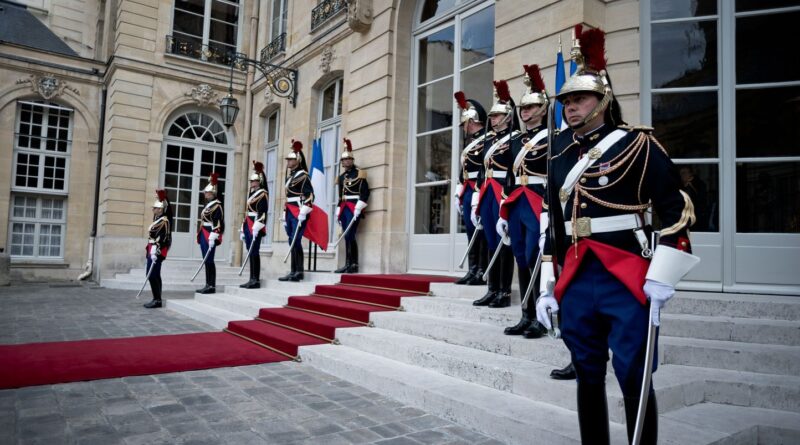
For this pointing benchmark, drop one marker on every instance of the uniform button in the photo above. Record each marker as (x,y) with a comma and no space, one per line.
(683,244)
(583,180)
(583,205)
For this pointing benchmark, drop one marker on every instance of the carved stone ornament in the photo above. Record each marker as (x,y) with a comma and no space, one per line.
(268,96)
(327,58)
(359,15)
(204,95)
(47,85)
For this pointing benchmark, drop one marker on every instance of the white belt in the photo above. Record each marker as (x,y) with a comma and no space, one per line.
(472,175)
(293,199)
(586,226)
(495,173)
(531,180)
(252,214)
(208,225)
(349,197)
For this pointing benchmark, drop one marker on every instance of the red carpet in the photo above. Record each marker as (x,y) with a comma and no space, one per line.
(73,361)
(275,335)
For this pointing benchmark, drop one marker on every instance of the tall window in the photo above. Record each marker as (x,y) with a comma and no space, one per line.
(271,137)
(278,19)
(43,143)
(205,29)
(330,131)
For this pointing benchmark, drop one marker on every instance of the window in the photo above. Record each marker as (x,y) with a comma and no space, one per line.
(42,148)
(278,22)
(205,29)
(271,137)
(330,134)
(37,226)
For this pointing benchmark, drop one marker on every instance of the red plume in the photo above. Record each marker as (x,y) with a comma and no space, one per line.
(161,194)
(297,146)
(258,167)
(213,178)
(349,144)
(501,86)
(536,77)
(578,30)
(461,98)
(593,47)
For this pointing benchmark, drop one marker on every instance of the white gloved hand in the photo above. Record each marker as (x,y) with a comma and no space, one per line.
(360,205)
(213,237)
(546,301)
(153,252)
(241,234)
(501,227)
(459,190)
(458,206)
(658,293)
(285,224)
(338,211)
(303,213)
(257,226)
(473,216)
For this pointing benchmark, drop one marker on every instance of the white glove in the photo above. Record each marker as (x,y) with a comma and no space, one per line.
(360,205)
(546,301)
(153,252)
(257,226)
(303,213)
(501,227)
(241,234)
(213,237)
(658,293)
(544,224)
(473,216)
(459,207)
(338,211)
(459,190)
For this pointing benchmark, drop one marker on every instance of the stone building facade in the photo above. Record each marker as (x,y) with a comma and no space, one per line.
(141,82)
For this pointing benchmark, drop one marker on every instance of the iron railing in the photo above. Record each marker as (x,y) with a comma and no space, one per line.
(275,47)
(325,11)
(194,48)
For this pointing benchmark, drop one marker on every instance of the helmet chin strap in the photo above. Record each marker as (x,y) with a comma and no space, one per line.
(599,108)
(505,121)
(537,115)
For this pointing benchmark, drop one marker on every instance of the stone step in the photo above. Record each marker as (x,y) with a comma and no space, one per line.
(474,335)
(267,292)
(749,357)
(169,286)
(245,307)
(450,290)
(213,316)
(745,330)
(710,304)
(710,422)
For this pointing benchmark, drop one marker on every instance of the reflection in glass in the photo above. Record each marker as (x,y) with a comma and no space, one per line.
(754,5)
(684,54)
(701,183)
(436,55)
(768,197)
(686,124)
(477,37)
(434,8)
(674,9)
(767,122)
(328,99)
(476,82)
(762,56)
(432,212)
(434,153)
(435,106)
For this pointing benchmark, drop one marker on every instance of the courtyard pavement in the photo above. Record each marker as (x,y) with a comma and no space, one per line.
(275,403)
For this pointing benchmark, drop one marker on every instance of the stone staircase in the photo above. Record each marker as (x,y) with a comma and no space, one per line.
(729,364)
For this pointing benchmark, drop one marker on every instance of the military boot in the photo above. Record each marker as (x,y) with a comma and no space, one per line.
(211,279)
(298,260)
(353,257)
(288,276)
(255,273)
(593,413)
(347,260)
(506,271)
(650,426)
(524,275)
(155,287)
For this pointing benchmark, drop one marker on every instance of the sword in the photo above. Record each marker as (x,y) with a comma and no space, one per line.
(494,258)
(249,250)
(535,272)
(648,373)
(478,228)
(294,240)
(210,248)
(347,229)
(146,279)
(554,332)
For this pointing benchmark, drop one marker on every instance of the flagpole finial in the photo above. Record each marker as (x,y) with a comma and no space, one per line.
(559,43)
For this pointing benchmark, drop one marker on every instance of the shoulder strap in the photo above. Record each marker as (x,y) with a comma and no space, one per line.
(471,145)
(587,161)
(498,144)
(530,144)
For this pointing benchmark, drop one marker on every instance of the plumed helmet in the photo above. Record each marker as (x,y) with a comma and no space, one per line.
(471,109)
(535,93)
(347,153)
(212,183)
(258,174)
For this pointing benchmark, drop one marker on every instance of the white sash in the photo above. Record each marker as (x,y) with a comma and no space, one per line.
(211,203)
(532,143)
(470,146)
(295,175)
(255,195)
(497,145)
(587,161)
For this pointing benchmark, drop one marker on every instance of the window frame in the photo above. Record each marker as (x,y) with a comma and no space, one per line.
(334,124)
(282,23)
(271,147)
(37,221)
(205,39)
(42,152)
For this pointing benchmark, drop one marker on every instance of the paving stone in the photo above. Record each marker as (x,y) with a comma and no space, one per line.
(398,441)
(430,437)
(425,422)
(393,429)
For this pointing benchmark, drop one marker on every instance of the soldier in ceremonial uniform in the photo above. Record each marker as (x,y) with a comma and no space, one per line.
(209,235)
(158,241)
(605,179)
(473,121)
(353,196)
(493,182)
(299,203)
(254,224)
(520,214)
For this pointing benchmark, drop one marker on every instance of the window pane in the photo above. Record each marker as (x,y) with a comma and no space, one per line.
(434,156)
(432,213)
(339,97)
(272,128)
(684,54)
(195,6)
(328,101)
(187,23)
(222,32)
(754,5)
(436,55)
(224,12)
(477,37)
(766,197)
(477,83)
(701,183)
(435,106)
(434,8)
(762,56)
(767,122)
(686,124)
(672,9)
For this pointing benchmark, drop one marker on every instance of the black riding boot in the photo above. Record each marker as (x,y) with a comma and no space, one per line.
(353,257)
(255,273)
(211,279)
(536,329)
(298,266)
(472,261)
(506,270)
(494,287)
(291,273)
(250,281)
(650,427)
(565,373)
(347,260)
(524,275)
(593,413)
(155,288)
(481,261)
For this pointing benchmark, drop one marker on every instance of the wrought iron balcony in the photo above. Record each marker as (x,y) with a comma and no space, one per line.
(194,48)
(275,47)
(325,11)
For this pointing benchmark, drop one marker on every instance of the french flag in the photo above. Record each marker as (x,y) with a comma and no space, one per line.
(317,225)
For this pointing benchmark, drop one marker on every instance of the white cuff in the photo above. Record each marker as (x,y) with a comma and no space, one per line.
(360,205)
(669,265)
(305,210)
(547,275)
(475,197)
(544,222)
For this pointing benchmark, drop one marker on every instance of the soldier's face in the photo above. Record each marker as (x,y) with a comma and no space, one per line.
(577,106)
(530,112)
(157,211)
(496,120)
(209,196)
(254,184)
(347,163)
(291,163)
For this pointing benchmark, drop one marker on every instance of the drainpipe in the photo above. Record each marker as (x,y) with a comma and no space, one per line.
(89,267)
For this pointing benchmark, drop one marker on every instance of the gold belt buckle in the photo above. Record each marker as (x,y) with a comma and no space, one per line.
(523,180)
(583,227)
(489,173)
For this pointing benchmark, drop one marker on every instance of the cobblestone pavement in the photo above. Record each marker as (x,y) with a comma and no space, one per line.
(276,403)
